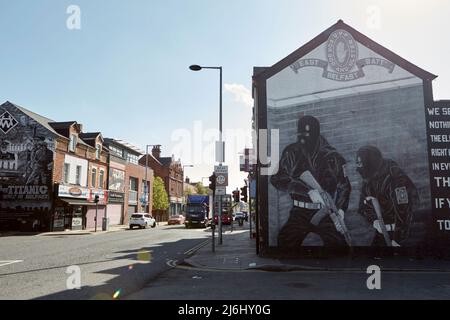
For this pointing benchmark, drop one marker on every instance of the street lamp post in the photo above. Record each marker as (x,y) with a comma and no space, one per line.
(198,68)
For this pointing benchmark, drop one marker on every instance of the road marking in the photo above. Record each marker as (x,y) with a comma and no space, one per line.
(172,263)
(8,262)
(197,247)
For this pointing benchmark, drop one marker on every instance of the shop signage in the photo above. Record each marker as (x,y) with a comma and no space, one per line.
(102,196)
(77,222)
(58,223)
(116,196)
(73,192)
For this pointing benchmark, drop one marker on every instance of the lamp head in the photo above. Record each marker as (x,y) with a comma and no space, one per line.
(195,67)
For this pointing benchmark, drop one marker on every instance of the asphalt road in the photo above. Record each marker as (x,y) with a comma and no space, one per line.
(116,263)
(139,264)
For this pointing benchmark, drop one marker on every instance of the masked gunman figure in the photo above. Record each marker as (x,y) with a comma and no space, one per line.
(386,193)
(40,163)
(312,155)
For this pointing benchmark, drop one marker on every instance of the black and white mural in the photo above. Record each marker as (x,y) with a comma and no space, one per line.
(116,180)
(26,164)
(352,162)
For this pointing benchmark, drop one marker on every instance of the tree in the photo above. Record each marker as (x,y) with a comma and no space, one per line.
(160,197)
(188,192)
(201,189)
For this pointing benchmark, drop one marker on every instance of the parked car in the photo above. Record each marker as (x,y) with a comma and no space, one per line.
(239,217)
(226,219)
(142,220)
(176,219)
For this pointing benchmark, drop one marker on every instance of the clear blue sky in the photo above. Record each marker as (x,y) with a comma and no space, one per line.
(125,73)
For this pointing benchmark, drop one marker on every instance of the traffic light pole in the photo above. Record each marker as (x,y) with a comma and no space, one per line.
(250,204)
(220,219)
(213,226)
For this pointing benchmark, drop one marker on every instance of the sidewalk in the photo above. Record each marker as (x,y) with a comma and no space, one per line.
(238,253)
(85,232)
(90,231)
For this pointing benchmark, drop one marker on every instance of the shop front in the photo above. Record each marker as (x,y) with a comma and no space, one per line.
(96,211)
(75,208)
(115,207)
(70,208)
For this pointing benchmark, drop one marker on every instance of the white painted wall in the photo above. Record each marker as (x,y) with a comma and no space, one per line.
(74,162)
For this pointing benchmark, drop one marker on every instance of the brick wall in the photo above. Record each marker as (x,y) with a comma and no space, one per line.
(58,165)
(99,167)
(137,171)
(394,121)
(172,176)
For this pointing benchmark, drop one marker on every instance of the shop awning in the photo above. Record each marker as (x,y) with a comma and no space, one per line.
(78,202)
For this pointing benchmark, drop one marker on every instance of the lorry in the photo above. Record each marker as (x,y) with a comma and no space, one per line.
(198,211)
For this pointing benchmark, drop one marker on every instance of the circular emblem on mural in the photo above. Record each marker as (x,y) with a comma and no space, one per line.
(342,51)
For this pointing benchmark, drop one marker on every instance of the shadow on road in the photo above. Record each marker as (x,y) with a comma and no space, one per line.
(148,263)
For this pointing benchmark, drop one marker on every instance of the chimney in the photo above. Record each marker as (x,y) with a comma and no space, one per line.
(156,151)
(79,127)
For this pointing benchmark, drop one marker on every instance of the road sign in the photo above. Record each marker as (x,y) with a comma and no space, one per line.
(221,176)
(221,191)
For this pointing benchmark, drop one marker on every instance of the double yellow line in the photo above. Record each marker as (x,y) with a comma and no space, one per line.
(197,247)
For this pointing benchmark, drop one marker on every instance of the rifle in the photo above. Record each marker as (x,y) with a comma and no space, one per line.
(329,204)
(377,208)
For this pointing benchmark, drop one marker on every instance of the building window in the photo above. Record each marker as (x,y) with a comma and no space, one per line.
(98,151)
(101,179)
(116,151)
(133,184)
(94,177)
(132,158)
(66,172)
(78,176)
(73,142)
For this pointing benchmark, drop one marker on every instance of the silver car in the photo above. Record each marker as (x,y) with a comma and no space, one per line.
(142,220)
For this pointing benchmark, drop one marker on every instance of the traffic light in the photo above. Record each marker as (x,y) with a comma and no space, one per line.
(96,198)
(212,184)
(244,194)
(236,196)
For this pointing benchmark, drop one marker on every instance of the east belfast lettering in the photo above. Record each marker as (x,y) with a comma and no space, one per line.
(343,77)
(308,63)
(25,193)
(376,62)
